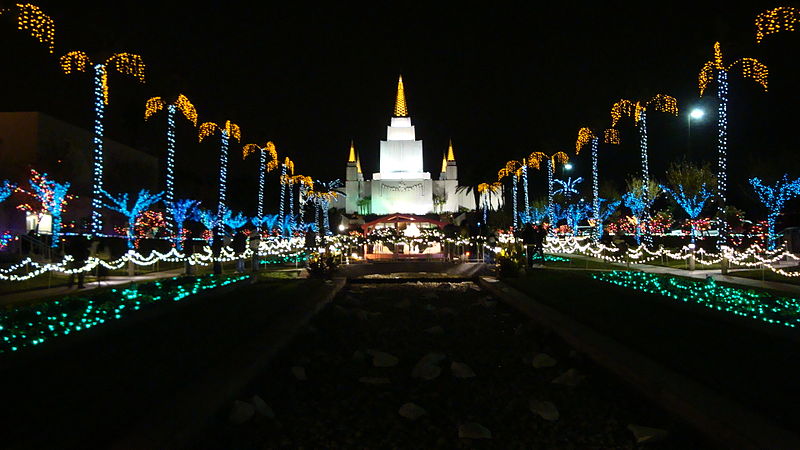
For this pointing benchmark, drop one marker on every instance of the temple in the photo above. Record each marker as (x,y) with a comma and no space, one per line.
(402,185)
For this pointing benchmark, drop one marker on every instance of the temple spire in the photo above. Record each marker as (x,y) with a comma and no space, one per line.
(450,156)
(400,109)
(352,157)
(444,164)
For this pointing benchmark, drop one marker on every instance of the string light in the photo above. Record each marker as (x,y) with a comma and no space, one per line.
(568,186)
(182,104)
(263,166)
(53,198)
(774,198)
(781,311)
(6,189)
(691,204)
(180,211)
(125,63)
(229,131)
(775,20)
(120,203)
(400,109)
(39,25)
(68,315)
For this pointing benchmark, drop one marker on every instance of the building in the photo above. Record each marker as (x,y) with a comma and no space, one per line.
(402,185)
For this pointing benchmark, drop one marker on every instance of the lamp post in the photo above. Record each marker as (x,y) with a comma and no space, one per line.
(696,114)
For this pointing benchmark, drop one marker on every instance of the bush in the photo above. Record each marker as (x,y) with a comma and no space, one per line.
(321,266)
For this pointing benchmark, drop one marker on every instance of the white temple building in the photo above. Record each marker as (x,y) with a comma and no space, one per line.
(402,185)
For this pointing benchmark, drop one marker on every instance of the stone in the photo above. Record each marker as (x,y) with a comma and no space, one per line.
(299,373)
(461,370)
(473,430)
(382,359)
(569,378)
(241,412)
(359,356)
(428,367)
(542,360)
(374,380)
(647,434)
(262,407)
(436,329)
(411,411)
(404,303)
(546,410)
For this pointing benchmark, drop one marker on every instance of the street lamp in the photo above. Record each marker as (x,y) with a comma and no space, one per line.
(696,114)
(566,167)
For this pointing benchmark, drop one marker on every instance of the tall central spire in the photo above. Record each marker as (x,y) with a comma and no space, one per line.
(400,109)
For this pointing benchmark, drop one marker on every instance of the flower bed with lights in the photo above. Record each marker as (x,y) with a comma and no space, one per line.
(28,326)
(783,311)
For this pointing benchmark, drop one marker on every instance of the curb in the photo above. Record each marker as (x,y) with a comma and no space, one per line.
(177,424)
(721,420)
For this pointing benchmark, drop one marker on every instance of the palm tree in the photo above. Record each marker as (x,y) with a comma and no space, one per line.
(32,19)
(287,171)
(182,104)
(126,63)
(585,136)
(263,166)
(552,160)
(714,68)
(229,131)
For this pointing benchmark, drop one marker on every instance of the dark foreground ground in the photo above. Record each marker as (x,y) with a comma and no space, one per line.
(324,390)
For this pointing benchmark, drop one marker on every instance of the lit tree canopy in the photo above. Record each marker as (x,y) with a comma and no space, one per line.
(123,205)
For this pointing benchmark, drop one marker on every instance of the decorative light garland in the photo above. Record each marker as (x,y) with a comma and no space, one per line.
(771,21)
(32,19)
(782,311)
(774,198)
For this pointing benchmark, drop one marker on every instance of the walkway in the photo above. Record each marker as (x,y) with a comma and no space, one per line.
(700,274)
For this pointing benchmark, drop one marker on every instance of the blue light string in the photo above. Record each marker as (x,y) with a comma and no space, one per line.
(97,184)
(223,179)
(722,150)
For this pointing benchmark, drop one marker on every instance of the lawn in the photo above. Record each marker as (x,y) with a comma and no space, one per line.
(757,369)
(91,391)
(766,275)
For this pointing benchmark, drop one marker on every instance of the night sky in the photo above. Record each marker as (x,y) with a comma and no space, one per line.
(500,82)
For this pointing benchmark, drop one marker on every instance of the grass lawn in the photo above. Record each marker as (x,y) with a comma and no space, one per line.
(582,263)
(92,390)
(766,275)
(754,368)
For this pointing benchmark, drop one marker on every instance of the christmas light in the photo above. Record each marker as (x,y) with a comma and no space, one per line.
(774,198)
(180,211)
(182,104)
(53,198)
(751,68)
(323,193)
(229,131)
(263,166)
(120,203)
(6,189)
(32,19)
(568,186)
(692,204)
(125,63)
(771,21)
(400,109)
(761,306)
(28,326)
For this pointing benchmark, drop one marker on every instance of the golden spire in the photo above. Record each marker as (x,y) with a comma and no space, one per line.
(444,163)
(400,109)
(450,156)
(352,157)
(358,163)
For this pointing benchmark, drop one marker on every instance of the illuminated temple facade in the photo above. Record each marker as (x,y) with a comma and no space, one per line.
(402,185)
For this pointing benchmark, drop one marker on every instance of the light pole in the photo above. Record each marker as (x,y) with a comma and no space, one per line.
(696,113)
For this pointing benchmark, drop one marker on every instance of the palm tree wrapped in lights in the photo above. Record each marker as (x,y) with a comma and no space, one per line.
(229,131)
(287,171)
(638,110)
(586,136)
(182,104)
(323,195)
(774,197)
(714,68)
(485,192)
(264,166)
(552,160)
(513,169)
(125,63)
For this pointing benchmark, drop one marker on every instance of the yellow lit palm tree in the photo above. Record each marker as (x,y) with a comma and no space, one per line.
(182,104)
(714,68)
(586,136)
(485,192)
(264,166)
(552,160)
(776,20)
(126,63)
(227,132)
(32,19)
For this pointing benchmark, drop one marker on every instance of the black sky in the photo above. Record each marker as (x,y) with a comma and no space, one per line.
(500,81)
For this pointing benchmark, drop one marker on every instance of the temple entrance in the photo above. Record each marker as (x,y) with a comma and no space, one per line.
(403,237)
